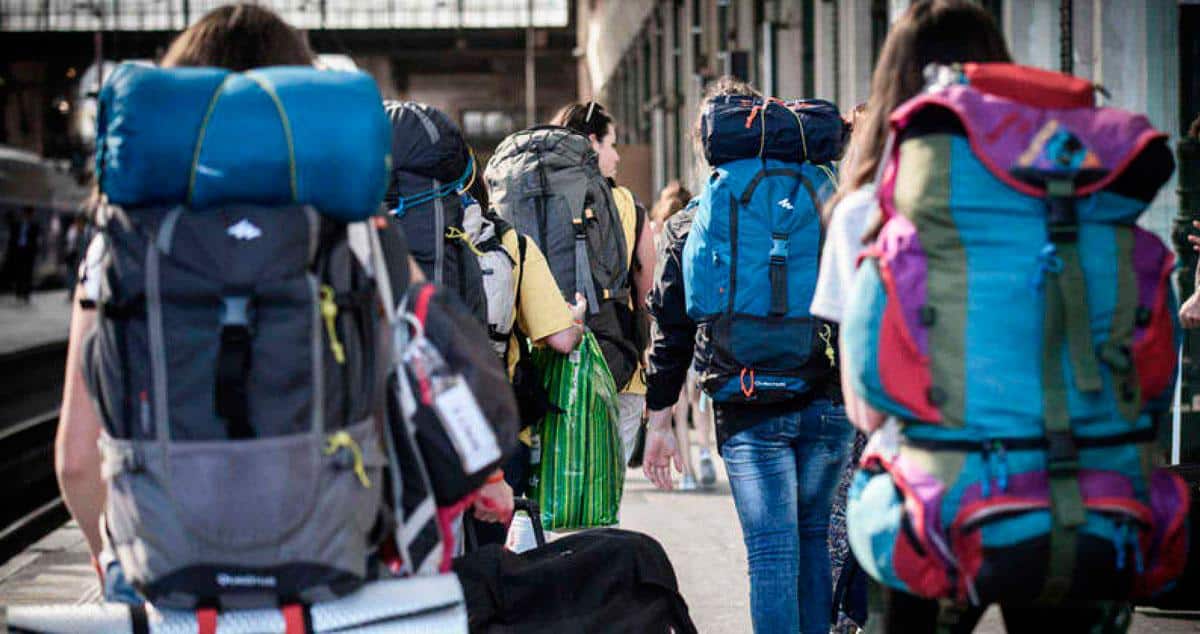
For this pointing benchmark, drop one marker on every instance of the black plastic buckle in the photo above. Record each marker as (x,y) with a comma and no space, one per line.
(1062,456)
(1062,220)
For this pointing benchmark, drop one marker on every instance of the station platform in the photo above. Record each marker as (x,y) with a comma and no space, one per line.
(44,320)
(699,531)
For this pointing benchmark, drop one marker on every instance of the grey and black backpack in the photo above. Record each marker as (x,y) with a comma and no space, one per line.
(546,182)
(234,359)
(234,367)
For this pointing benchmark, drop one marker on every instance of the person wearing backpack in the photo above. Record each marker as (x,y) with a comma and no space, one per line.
(525,308)
(962,31)
(432,165)
(768,366)
(593,121)
(107,442)
(237,37)
(692,400)
(1020,470)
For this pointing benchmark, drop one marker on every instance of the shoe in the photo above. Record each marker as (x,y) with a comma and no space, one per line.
(708,473)
(687,483)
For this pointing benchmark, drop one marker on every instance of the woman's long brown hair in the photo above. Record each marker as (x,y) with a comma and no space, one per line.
(930,32)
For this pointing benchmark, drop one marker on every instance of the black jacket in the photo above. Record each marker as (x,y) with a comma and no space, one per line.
(672,332)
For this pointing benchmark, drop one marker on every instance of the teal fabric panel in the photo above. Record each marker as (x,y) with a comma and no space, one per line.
(272,136)
(146,131)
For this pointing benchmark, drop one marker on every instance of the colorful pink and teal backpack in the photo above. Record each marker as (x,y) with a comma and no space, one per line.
(1021,327)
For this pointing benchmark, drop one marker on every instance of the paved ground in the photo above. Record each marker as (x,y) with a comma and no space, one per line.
(701,535)
(44,320)
(698,530)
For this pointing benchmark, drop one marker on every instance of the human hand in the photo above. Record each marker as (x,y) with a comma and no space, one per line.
(1193,238)
(1189,313)
(660,450)
(495,501)
(579,308)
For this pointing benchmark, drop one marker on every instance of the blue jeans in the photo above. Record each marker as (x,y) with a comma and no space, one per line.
(783,472)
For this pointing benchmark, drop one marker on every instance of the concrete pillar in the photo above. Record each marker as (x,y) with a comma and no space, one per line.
(1134,54)
(1032,28)
(789,51)
(825,35)
(854,52)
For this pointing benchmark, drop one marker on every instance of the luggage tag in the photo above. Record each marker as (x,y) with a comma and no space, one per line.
(448,394)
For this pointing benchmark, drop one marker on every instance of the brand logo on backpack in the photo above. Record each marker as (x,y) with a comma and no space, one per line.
(226,580)
(244,230)
(786,204)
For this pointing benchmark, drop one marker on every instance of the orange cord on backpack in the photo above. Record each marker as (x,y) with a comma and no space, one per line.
(742,382)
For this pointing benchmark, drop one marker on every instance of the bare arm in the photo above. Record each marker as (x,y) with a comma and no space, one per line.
(76,454)
(564,341)
(643,278)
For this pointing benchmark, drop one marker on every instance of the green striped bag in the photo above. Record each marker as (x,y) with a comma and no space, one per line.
(578,478)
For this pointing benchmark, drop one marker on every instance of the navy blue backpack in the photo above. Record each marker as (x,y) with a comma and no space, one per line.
(750,269)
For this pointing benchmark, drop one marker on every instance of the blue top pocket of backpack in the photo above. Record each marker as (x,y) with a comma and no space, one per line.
(205,137)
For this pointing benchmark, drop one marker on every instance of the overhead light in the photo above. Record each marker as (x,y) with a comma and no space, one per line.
(64,106)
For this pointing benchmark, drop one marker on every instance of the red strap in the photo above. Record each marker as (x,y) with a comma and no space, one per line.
(206,621)
(422,308)
(1032,86)
(293,619)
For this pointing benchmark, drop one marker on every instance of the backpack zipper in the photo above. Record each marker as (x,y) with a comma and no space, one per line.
(329,312)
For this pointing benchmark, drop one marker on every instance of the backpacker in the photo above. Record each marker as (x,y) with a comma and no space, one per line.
(750,270)
(1022,328)
(431,164)
(450,418)
(546,183)
(735,127)
(233,359)
(485,231)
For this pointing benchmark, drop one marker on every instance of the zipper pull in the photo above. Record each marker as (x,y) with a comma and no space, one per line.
(343,440)
(826,334)
(329,311)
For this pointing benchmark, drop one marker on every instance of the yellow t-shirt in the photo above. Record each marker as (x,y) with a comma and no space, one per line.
(541,310)
(627,209)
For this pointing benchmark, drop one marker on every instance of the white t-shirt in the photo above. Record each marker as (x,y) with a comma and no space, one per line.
(90,268)
(843,243)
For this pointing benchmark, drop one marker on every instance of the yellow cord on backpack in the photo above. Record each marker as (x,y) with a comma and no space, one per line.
(329,311)
(826,335)
(470,153)
(454,233)
(343,439)
(829,174)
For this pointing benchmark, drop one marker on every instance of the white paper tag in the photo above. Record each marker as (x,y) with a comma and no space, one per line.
(468,429)
(408,402)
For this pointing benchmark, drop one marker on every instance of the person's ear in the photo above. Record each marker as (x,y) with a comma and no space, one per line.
(594,139)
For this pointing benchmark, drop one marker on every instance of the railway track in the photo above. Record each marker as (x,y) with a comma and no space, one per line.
(30,391)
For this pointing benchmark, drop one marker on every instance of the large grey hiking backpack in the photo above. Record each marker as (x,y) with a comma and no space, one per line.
(431,163)
(234,367)
(546,182)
